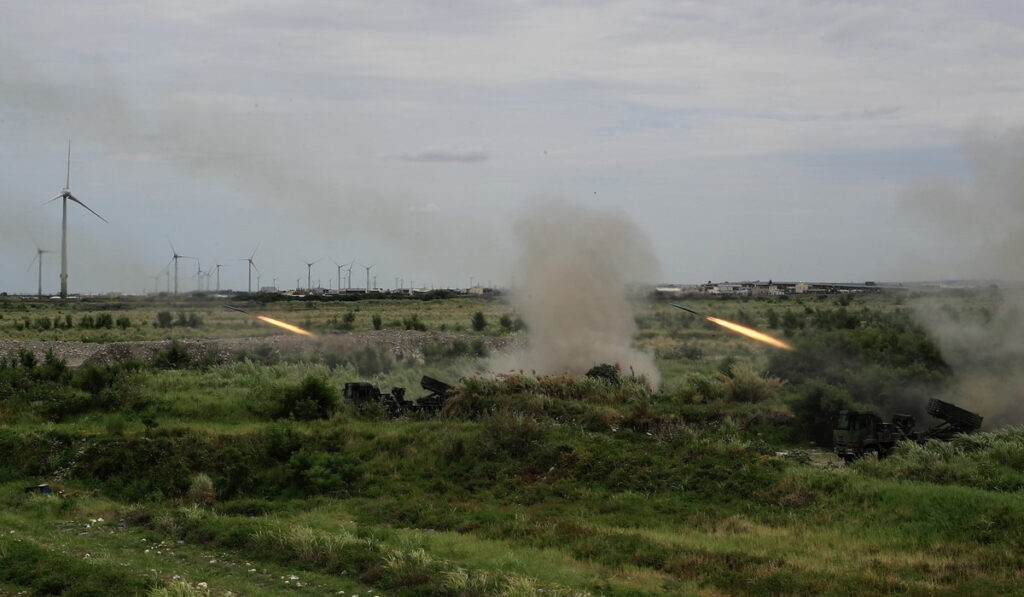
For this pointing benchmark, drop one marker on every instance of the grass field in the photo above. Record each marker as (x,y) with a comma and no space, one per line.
(217,476)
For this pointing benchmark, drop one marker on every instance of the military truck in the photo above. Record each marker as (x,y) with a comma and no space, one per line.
(395,404)
(856,433)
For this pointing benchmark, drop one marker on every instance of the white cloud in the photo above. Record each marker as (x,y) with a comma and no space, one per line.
(441,154)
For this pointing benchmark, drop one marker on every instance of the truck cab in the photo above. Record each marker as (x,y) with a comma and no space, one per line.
(856,433)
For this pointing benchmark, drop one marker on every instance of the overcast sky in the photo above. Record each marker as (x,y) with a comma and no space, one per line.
(796,141)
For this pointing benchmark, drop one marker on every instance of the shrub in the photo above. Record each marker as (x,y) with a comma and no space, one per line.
(200,491)
(175,356)
(413,323)
(313,398)
(124,322)
(93,379)
(377,322)
(115,424)
(478,349)
(27,358)
(700,388)
(814,405)
(746,384)
(164,319)
(479,322)
(437,352)
(336,473)
(605,371)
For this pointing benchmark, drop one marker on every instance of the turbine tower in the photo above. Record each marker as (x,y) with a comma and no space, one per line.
(309,273)
(339,274)
(218,266)
(39,258)
(175,257)
(252,265)
(65,195)
(368,268)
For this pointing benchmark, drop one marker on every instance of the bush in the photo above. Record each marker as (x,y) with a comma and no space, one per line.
(164,319)
(377,322)
(746,384)
(413,323)
(200,491)
(992,461)
(27,358)
(814,405)
(313,398)
(175,356)
(115,425)
(336,473)
(479,322)
(605,371)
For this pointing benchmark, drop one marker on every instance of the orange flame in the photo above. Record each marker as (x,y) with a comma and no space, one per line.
(291,328)
(756,335)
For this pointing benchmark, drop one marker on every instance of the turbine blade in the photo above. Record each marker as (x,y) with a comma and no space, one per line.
(31,263)
(67,181)
(54,199)
(75,199)
(254,250)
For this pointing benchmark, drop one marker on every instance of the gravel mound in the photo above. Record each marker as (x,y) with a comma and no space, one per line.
(401,344)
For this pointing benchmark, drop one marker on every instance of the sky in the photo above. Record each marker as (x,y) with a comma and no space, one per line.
(794,140)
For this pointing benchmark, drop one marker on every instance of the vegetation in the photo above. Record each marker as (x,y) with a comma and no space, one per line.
(195,473)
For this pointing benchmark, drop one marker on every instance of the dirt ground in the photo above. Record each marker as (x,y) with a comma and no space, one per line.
(401,344)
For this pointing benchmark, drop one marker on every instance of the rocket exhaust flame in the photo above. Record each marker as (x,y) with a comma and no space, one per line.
(287,326)
(739,329)
(756,335)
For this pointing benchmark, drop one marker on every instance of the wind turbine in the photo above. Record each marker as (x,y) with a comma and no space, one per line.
(39,258)
(65,195)
(340,267)
(309,272)
(199,276)
(368,268)
(252,265)
(175,259)
(217,267)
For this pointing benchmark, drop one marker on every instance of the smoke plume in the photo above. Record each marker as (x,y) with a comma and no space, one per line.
(571,290)
(982,337)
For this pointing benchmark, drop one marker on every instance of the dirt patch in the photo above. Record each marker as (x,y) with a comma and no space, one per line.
(401,344)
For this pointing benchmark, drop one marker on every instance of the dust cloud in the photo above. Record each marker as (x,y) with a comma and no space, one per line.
(981,336)
(982,339)
(572,284)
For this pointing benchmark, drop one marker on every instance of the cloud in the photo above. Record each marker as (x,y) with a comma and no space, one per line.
(428,208)
(439,154)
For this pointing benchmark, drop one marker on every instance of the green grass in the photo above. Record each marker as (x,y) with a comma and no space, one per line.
(526,486)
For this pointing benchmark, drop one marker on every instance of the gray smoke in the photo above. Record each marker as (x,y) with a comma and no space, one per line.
(982,337)
(572,290)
